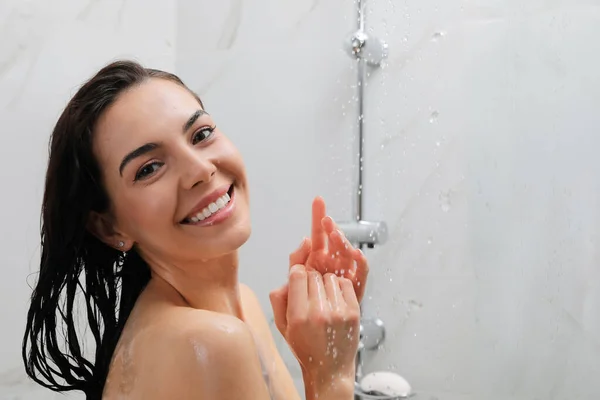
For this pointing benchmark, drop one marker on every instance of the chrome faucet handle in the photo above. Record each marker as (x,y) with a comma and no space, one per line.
(372,334)
(362,46)
(368,233)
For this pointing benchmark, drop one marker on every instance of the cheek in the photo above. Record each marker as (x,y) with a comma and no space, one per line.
(149,210)
(231,159)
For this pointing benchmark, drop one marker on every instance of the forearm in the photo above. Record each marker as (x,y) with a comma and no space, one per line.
(339,388)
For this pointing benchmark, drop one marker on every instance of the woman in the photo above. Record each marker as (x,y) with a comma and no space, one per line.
(145,207)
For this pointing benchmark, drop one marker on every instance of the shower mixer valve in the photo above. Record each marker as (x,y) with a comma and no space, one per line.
(367,233)
(362,46)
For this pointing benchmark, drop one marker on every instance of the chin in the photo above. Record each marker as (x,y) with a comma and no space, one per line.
(241,235)
(232,240)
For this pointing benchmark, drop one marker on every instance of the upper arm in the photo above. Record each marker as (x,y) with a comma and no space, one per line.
(209,360)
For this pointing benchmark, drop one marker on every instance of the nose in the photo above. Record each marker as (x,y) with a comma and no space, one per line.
(196,169)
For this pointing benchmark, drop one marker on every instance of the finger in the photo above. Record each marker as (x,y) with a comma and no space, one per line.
(339,246)
(318,235)
(334,292)
(337,238)
(300,255)
(316,291)
(297,305)
(279,302)
(328,224)
(349,294)
(359,278)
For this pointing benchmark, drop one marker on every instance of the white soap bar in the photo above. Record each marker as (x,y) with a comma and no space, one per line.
(385,382)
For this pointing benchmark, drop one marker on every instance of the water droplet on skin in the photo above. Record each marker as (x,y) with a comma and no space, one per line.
(310,359)
(329,329)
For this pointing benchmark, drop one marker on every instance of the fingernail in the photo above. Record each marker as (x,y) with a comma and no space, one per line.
(295,268)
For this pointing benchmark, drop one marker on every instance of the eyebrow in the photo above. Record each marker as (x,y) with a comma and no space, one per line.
(197,114)
(148,147)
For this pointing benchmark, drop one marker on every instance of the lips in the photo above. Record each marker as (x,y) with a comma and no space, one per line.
(210,205)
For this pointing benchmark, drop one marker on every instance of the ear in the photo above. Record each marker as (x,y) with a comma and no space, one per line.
(102,226)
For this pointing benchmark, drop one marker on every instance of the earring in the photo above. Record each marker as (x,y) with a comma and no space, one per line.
(121,244)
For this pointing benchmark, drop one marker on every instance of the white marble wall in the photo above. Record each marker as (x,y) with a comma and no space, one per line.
(480,156)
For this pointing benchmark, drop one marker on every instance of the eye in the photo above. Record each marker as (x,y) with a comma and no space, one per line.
(203,134)
(147,170)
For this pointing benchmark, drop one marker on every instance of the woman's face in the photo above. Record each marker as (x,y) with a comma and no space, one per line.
(177,185)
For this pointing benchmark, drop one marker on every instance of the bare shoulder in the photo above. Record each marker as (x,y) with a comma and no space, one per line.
(191,354)
(248,296)
(254,312)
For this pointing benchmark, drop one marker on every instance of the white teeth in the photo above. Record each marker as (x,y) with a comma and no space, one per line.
(212,208)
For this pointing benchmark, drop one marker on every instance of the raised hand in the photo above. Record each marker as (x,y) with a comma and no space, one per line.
(319,315)
(330,251)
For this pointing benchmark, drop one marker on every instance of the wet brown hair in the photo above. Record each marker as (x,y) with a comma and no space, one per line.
(74,263)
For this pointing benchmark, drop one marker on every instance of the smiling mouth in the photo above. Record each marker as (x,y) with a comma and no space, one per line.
(212,209)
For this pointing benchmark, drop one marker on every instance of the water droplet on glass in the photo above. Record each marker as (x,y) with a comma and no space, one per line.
(438,36)
(445,202)
(434,116)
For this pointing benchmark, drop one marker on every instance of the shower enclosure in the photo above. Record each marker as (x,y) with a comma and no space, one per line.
(479,150)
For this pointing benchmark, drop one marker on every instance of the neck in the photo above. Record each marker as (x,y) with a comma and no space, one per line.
(209,285)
